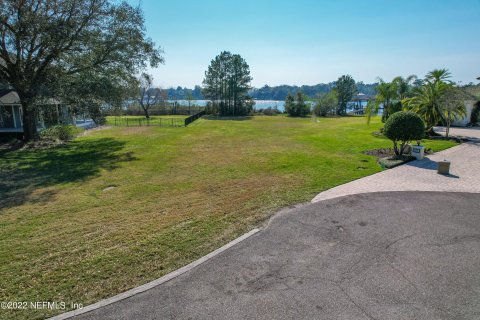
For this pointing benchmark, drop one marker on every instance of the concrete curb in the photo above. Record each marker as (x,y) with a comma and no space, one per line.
(154,283)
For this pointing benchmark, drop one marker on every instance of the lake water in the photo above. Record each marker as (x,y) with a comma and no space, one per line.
(259,104)
(263,104)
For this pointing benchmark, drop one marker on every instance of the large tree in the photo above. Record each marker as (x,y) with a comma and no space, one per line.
(148,94)
(296,106)
(404,86)
(226,84)
(90,92)
(389,96)
(453,107)
(46,43)
(346,89)
(426,100)
(385,97)
(326,104)
(438,75)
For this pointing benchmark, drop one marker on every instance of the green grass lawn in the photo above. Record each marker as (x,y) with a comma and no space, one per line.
(178,193)
(173,116)
(164,121)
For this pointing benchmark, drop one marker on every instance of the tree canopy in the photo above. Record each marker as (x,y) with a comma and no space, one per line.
(390,95)
(403,127)
(148,95)
(48,45)
(296,106)
(326,104)
(226,84)
(426,99)
(346,89)
(453,107)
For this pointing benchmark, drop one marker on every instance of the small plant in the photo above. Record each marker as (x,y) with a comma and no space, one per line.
(59,132)
(403,127)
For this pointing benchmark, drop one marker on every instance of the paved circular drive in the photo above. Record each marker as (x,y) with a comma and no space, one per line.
(399,255)
(420,175)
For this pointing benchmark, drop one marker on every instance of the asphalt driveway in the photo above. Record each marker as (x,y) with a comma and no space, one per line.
(395,255)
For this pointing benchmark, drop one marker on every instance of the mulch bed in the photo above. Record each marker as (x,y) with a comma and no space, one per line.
(381,153)
(388,152)
(387,158)
(394,161)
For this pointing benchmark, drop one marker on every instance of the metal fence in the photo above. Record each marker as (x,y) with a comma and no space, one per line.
(193,118)
(144,122)
(157,122)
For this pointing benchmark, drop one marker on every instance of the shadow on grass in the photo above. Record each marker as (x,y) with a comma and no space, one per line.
(24,171)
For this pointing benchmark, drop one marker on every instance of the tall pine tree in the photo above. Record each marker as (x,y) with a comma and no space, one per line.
(226,84)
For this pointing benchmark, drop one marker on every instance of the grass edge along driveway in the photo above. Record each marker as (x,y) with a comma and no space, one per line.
(119,207)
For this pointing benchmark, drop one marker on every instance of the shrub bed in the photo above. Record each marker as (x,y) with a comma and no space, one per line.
(62,133)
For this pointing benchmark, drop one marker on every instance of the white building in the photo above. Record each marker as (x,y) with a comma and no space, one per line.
(469,106)
(11,118)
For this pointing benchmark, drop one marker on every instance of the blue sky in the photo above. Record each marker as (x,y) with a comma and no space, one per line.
(309,42)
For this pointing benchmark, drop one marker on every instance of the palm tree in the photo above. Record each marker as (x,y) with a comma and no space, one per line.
(427,98)
(438,75)
(426,103)
(386,94)
(404,86)
(390,96)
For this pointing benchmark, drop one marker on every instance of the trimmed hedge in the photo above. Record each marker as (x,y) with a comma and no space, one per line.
(403,127)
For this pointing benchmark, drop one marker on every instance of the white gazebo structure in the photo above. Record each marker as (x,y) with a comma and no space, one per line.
(10,112)
(51,112)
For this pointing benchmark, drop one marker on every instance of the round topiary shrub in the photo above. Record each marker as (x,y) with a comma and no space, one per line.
(403,127)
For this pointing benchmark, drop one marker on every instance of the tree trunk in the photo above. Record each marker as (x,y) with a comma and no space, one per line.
(430,132)
(402,148)
(29,120)
(395,148)
(146,113)
(448,123)
(145,110)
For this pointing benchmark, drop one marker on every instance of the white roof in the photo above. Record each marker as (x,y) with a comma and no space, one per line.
(10,98)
